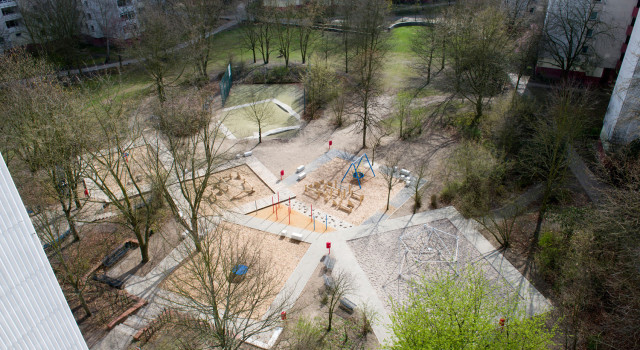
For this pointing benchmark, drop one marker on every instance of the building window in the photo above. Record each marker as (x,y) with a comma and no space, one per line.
(11,24)
(589,33)
(594,15)
(128,15)
(9,10)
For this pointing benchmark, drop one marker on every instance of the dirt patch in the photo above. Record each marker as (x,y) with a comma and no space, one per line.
(272,259)
(309,306)
(297,218)
(374,191)
(161,243)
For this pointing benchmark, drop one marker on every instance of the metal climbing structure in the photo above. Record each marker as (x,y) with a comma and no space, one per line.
(357,174)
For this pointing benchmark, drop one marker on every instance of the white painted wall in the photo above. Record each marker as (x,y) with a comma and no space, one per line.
(622,119)
(33,311)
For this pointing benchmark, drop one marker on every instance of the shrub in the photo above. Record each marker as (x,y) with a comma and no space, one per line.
(434,201)
(449,192)
(552,248)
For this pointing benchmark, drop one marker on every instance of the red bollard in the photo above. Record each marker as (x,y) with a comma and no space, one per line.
(283,315)
(329,247)
(281,174)
(330,143)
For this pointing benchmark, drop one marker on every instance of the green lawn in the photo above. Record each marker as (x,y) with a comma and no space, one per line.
(241,125)
(289,94)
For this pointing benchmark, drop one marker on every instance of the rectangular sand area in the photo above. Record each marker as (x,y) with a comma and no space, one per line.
(236,186)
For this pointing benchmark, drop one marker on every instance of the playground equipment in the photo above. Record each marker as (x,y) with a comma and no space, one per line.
(357,174)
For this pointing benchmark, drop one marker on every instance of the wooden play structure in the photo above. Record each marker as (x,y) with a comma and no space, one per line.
(225,186)
(342,199)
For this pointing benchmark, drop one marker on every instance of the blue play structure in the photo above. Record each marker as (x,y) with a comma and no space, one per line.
(357,174)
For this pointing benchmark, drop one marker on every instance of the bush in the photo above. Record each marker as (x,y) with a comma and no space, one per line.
(306,335)
(434,201)
(549,258)
(320,85)
(449,192)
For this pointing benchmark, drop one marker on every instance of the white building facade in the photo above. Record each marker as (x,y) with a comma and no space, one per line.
(33,311)
(622,119)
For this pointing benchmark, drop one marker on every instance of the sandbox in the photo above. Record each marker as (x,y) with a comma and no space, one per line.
(279,258)
(373,192)
(236,186)
(297,218)
(389,267)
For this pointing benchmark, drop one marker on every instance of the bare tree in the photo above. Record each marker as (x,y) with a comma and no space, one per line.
(119,168)
(347,10)
(546,154)
(259,112)
(56,26)
(194,159)
(306,17)
(266,27)
(424,46)
(231,285)
(418,185)
(370,50)
(284,29)
(108,19)
(250,36)
(341,285)
(200,17)
(571,26)
(70,267)
(44,129)
(158,36)
(479,47)
(391,177)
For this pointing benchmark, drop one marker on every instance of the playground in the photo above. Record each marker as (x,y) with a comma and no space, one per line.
(292,218)
(420,250)
(137,159)
(238,185)
(334,190)
(280,259)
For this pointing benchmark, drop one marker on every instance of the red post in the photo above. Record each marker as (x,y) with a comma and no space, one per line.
(329,247)
(283,315)
(281,174)
(501,323)
(330,143)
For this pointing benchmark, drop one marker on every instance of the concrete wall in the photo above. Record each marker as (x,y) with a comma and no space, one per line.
(33,311)
(622,119)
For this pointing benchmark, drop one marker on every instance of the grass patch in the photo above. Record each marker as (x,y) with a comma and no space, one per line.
(242,125)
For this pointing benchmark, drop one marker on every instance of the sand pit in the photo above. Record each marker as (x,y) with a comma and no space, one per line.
(235,186)
(137,159)
(297,218)
(265,254)
(381,257)
(374,190)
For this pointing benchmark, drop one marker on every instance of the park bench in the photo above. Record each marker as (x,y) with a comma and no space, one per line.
(296,236)
(110,281)
(328,262)
(347,305)
(328,281)
(117,254)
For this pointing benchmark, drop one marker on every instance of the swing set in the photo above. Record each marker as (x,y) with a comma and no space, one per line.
(357,174)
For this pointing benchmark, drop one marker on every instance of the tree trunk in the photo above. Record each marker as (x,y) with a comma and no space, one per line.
(389,192)
(476,118)
(259,133)
(72,225)
(144,251)
(83,302)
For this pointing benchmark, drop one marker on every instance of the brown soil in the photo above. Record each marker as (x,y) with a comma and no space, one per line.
(161,243)
(137,160)
(297,219)
(374,190)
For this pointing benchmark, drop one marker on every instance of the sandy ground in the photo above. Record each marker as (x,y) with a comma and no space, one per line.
(137,159)
(383,266)
(373,188)
(297,219)
(271,266)
(234,190)
(242,122)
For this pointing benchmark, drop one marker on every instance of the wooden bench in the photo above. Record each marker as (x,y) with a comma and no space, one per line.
(296,236)
(347,305)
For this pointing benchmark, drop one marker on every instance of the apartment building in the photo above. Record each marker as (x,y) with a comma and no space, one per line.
(622,119)
(116,19)
(35,314)
(606,45)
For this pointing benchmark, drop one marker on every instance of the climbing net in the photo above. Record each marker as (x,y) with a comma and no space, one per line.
(425,246)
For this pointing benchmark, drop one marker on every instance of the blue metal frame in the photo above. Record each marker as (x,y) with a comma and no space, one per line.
(355,169)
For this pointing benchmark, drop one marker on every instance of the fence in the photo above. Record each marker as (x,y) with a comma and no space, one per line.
(225,84)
